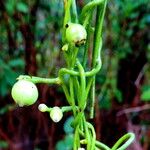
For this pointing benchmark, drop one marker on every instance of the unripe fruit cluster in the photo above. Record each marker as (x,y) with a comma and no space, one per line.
(56,113)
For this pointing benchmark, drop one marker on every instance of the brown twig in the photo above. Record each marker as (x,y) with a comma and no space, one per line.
(133,109)
(141,74)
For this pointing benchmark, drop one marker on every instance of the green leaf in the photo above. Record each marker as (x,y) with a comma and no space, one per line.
(6,108)
(3,87)
(16,63)
(22,7)
(118,95)
(66,144)
(105,101)
(60,145)
(69,141)
(67,125)
(3,144)
(145,96)
(10,6)
(10,76)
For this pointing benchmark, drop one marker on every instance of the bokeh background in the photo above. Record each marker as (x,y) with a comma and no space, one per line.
(30,43)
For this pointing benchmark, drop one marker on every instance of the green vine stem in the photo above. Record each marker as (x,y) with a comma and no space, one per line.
(67,17)
(74,12)
(80,84)
(124,141)
(101,7)
(39,80)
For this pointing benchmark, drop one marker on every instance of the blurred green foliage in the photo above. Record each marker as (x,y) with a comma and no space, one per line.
(145,96)
(3,145)
(66,143)
(126,34)
(10,70)
(126,18)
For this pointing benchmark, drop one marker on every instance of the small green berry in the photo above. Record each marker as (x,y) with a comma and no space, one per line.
(75,34)
(56,114)
(24,93)
(43,108)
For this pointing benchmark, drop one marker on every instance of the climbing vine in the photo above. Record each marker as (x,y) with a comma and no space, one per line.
(77,79)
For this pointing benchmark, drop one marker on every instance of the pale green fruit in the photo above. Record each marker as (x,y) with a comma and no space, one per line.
(43,108)
(75,34)
(56,114)
(24,93)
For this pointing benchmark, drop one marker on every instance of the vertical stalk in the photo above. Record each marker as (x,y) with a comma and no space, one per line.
(72,98)
(67,16)
(87,46)
(97,47)
(74,12)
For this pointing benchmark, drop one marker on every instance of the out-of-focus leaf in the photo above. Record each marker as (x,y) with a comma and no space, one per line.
(16,63)
(6,108)
(66,144)
(3,144)
(60,145)
(10,6)
(69,141)
(105,101)
(3,87)
(22,7)
(118,95)
(67,125)
(37,149)
(145,96)
(10,76)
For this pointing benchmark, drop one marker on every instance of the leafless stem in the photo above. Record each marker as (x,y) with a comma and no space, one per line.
(133,109)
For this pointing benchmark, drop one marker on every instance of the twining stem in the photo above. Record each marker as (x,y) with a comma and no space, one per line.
(65,89)
(77,89)
(93,140)
(87,135)
(87,25)
(72,95)
(62,72)
(82,103)
(89,6)
(98,32)
(85,55)
(102,146)
(68,108)
(76,138)
(94,71)
(86,15)
(97,47)
(39,79)
(124,141)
